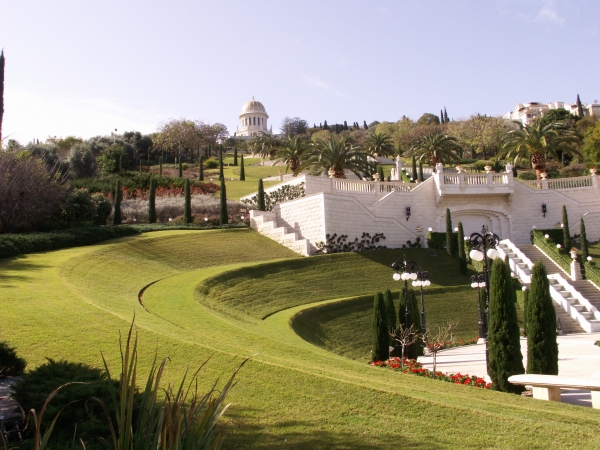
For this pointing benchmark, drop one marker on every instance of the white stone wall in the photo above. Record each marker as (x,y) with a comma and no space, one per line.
(330,208)
(304,216)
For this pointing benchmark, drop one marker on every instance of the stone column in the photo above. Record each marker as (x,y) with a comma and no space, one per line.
(575,270)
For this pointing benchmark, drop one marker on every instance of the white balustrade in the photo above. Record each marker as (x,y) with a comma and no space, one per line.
(561,183)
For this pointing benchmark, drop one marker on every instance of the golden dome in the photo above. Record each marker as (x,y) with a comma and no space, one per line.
(253,106)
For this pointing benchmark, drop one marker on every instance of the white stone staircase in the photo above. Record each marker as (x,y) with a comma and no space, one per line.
(575,312)
(265,222)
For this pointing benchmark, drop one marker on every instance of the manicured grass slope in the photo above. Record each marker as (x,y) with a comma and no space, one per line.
(72,303)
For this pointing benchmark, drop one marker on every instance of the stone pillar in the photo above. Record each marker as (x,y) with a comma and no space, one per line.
(575,270)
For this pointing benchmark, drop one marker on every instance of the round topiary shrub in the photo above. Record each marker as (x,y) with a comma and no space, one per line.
(103,208)
(211,163)
(81,417)
(11,364)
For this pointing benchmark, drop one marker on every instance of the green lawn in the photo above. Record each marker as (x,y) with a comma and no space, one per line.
(292,394)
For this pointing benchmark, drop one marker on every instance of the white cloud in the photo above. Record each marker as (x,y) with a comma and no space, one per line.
(548,13)
(28,115)
(316,82)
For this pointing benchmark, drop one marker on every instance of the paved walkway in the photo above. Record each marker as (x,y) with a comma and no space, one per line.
(577,357)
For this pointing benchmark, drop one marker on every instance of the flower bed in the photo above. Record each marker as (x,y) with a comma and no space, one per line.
(414,367)
(452,344)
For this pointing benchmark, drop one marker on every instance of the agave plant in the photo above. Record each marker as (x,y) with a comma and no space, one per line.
(538,142)
(292,151)
(435,148)
(337,155)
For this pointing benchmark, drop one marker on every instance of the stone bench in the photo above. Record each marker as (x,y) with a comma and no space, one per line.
(547,387)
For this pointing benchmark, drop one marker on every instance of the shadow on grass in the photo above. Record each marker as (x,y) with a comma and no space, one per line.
(20,264)
(240,433)
(443,270)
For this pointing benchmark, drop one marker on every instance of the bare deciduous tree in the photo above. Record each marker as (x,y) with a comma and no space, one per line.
(405,337)
(435,339)
(28,193)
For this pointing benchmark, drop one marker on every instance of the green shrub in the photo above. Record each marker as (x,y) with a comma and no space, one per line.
(184,166)
(135,180)
(574,170)
(381,335)
(32,390)
(211,163)
(527,176)
(17,244)
(103,208)
(11,364)
(79,207)
(438,240)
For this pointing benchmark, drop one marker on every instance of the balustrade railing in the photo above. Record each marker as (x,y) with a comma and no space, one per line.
(372,186)
(476,179)
(560,183)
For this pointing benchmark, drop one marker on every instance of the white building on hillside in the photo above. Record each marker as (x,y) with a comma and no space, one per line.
(253,119)
(527,113)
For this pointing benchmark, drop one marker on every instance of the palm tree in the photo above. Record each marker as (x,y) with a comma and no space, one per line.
(292,151)
(537,142)
(379,144)
(337,155)
(435,148)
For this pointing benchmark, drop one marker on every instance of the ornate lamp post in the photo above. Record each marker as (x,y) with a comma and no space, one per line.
(409,272)
(421,281)
(477,282)
(483,244)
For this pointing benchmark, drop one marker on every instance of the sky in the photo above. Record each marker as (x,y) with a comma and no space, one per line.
(84,68)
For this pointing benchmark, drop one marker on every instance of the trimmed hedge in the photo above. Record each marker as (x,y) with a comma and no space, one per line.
(559,256)
(18,244)
(438,240)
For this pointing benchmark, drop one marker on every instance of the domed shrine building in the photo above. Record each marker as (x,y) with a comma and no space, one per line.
(253,119)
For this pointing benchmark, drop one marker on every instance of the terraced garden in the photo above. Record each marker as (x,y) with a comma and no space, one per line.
(227,295)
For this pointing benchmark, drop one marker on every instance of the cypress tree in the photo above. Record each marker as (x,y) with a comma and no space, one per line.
(380,173)
(414,168)
(505,357)
(381,339)
(117,219)
(242,172)
(221,176)
(160,162)
(421,178)
(180,168)
(2,63)
(441,116)
(579,107)
(187,207)
(584,242)
(446,120)
(201,169)
(345,125)
(390,311)
(235,155)
(402,308)
(365,125)
(462,257)
(152,202)
(566,231)
(449,247)
(525,308)
(224,217)
(415,315)
(260,196)
(542,348)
